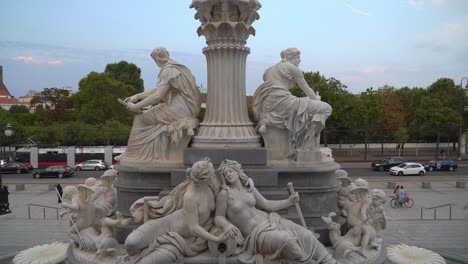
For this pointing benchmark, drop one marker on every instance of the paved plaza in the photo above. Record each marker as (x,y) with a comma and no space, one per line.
(18,232)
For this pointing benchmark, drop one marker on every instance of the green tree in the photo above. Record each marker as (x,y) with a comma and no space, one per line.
(401,136)
(434,118)
(96,100)
(371,112)
(52,103)
(410,99)
(334,93)
(18,109)
(127,73)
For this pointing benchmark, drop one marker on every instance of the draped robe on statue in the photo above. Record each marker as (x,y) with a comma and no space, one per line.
(177,110)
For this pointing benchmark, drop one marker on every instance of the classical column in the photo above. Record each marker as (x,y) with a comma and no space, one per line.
(226,26)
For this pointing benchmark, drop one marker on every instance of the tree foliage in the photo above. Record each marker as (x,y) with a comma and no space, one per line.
(128,73)
(52,103)
(96,102)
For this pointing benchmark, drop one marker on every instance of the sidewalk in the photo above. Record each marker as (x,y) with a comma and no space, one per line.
(17,232)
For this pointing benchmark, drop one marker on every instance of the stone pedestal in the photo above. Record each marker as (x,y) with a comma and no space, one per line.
(316,183)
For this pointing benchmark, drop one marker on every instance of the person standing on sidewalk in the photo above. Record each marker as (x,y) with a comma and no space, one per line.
(60,192)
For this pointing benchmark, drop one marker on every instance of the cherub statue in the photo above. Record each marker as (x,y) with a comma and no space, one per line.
(82,216)
(105,194)
(343,245)
(376,211)
(358,220)
(345,199)
(106,244)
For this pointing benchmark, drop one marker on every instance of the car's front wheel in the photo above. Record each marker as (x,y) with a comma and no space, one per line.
(450,168)
(37,176)
(400,173)
(18,171)
(421,173)
(60,175)
(78,168)
(96,168)
(431,169)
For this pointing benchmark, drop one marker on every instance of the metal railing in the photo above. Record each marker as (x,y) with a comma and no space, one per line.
(44,207)
(435,211)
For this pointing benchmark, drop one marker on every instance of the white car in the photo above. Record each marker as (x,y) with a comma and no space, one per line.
(91,165)
(408,168)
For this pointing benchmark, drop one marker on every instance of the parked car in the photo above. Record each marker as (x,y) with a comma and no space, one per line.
(387,163)
(91,165)
(442,164)
(408,168)
(53,171)
(15,167)
(4,161)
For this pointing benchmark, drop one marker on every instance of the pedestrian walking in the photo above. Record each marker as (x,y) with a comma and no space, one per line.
(60,192)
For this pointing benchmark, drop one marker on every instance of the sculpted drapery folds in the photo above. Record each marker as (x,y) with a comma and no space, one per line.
(181,221)
(275,106)
(267,235)
(174,105)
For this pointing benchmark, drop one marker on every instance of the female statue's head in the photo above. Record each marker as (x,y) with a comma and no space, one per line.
(291,55)
(201,171)
(230,171)
(160,56)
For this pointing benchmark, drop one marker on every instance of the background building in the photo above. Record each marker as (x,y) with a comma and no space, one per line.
(6,100)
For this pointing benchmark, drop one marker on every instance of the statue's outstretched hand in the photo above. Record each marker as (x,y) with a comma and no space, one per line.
(132,107)
(232,231)
(294,198)
(250,184)
(132,99)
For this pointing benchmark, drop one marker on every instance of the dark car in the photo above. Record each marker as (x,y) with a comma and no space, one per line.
(54,171)
(15,167)
(442,164)
(387,163)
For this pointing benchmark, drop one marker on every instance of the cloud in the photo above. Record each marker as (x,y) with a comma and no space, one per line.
(35,60)
(373,69)
(415,3)
(357,11)
(55,62)
(26,59)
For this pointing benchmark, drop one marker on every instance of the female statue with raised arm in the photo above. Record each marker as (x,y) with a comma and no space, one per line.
(266,234)
(182,228)
(275,106)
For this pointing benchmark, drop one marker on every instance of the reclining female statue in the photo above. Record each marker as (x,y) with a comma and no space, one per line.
(182,229)
(267,235)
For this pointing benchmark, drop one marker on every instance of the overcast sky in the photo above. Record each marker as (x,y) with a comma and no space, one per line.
(362,43)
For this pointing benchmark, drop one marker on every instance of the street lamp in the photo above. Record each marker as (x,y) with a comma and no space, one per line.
(461,110)
(9,132)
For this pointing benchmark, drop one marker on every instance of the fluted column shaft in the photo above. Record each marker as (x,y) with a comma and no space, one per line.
(226,122)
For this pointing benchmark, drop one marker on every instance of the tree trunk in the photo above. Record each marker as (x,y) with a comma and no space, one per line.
(365,143)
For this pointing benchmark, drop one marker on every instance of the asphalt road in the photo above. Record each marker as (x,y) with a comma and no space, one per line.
(355,170)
